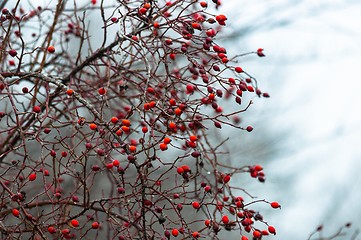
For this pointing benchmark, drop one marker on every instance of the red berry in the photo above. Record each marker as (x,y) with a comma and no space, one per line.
(260,52)
(217,125)
(172,56)
(196,235)
(47,130)
(132,148)
(203,4)
(207,188)
(116,163)
(172,125)
(258,168)
(95,168)
(175,232)
(196,205)
(250,88)
(101,91)
(167,234)
(258,92)
(239,204)
(15,212)
(190,88)
(240,214)
(225,219)
(216,68)
(179,208)
(266,95)
(254,174)
(51,229)
(125,129)
(144,129)
(95,225)
(32,177)
(69,92)
(74,223)
(146,106)
(275,205)
(114,19)
(249,129)
(65,231)
(180,170)
(5,11)
(51,49)
(178,111)
(207,222)
(196,25)
(126,122)
(13,52)
(75,198)
(193,138)
(239,69)
(142,11)
(257,234)
(52,153)
(152,104)
(163,146)
(225,60)
(114,120)
(272,230)
(232,80)
(93,126)
(167,140)
(150,90)
(195,154)
(211,32)
(121,190)
(46,172)
(182,106)
(226,178)
(64,154)
(36,109)
(244,238)
(186,168)
(172,102)
(221,18)
(25,90)
(156,24)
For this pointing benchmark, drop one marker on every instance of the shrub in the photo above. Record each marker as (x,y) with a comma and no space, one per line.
(109,135)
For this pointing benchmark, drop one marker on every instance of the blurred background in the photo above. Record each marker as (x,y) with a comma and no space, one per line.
(308,134)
